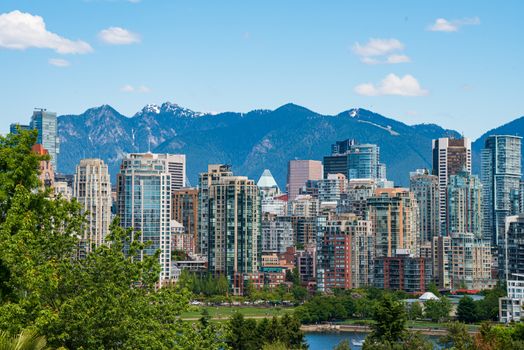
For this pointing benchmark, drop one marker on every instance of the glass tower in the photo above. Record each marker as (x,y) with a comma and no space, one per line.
(144,203)
(355,161)
(47,125)
(500,175)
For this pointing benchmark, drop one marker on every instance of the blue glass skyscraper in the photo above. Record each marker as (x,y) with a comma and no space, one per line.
(47,125)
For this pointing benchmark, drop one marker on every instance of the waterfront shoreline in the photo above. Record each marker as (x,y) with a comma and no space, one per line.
(336,328)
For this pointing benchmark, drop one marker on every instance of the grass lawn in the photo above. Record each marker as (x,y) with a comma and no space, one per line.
(223,312)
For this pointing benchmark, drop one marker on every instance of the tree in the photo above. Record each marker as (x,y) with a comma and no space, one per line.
(432,287)
(247,334)
(342,345)
(467,310)
(222,285)
(457,337)
(107,300)
(415,311)
(299,293)
(390,321)
(26,340)
(437,310)
(488,308)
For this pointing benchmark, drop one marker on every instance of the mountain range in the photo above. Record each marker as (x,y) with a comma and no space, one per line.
(250,142)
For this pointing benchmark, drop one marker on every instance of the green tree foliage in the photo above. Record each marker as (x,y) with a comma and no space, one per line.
(467,310)
(343,345)
(326,308)
(499,337)
(432,287)
(247,334)
(107,300)
(26,340)
(390,322)
(415,311)
(457,337)
(488,308)
(437,310)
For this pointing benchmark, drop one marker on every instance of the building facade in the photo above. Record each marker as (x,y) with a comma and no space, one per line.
(464,212)
(47,125)
(234,224)
(92,189)
(500,175)
(355,161)
(277,233)
(144,203)
(205,181)
(450,156)
(345,254)
(394,214)
(426,191)
(185,211)
(511,247)
(299,171)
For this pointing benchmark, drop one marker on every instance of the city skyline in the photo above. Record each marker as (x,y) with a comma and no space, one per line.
(241,57)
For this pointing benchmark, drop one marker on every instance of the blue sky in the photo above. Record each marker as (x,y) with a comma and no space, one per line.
(457,64)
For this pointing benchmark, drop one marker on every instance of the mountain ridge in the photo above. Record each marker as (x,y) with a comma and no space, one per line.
(250,141)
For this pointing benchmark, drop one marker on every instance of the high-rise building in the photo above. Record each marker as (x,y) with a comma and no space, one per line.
(500,175)
(404,271)
(47,125)
(304,229)
(511,247)
(464,212)
(275,205)
(330,188)
(277,233)
(394,214)
(425,189)
(299,171)
(355,161)
(449,157)
(267,185)
(304,205)
(442,260)
(234,220)
(345,254)
(47,173)
(470,266)
(176,165)
(185,211)
(306,264)
(205,181)
(92,189)
(356,199)
(144,203)
(511,307)
(15,127)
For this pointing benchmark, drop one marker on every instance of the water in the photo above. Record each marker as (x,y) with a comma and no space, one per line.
(327,341)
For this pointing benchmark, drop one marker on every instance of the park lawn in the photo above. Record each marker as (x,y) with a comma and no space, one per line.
(224,312)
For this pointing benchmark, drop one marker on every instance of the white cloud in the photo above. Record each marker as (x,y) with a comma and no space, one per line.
(378,47)
(130,88)
(59,62)
(379,51)
(444,25)
(21,30)
(398,59)
(118,36)
(127,88)
(392,85)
